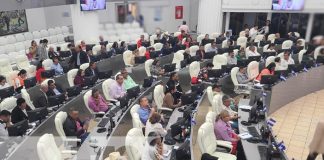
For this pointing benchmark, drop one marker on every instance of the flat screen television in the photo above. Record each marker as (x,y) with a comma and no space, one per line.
(92,5)
(288,5)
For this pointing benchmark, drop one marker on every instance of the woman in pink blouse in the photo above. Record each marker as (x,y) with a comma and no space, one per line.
(96,102)
(223,130)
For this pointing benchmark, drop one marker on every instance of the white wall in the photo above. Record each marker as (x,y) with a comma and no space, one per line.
(36,19)
(108,15)
(58,16)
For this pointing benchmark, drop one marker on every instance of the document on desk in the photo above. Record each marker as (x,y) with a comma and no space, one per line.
(245,135)
(245,107)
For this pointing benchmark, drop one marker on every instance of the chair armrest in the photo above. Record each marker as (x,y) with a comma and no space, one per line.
(242,85)
(165,109)
(224,143)
(72,140)
(69,152)
(100,113)
(112,100)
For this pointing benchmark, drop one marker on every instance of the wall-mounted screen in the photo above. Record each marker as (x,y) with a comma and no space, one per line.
(91,5)
(288,5)
(12,22)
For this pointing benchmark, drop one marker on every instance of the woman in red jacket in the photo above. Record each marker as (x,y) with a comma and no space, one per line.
(269,70)
(39,70)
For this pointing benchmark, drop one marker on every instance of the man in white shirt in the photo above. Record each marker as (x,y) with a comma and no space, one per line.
(184,27)
(286,60)
(231,59)
(212,48)
(277,61)
(3,82)
(252,52)
(117,89)
(4,124)
(253,31)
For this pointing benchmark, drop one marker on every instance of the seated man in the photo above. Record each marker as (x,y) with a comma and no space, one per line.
(212,48)
(128,81)
(217,89)
(52,53)
(203,73)
(117,89)
(57,67)
(54,90)
(41,100)
(4,124)
(19,113)
(252,52)
(230,105)
(156,69)
(103,52)
(231,59)
(96,102)
(92,70)
(174,81)
(3,82)
(73,127)
(286,60)
(242,77)
(145,111)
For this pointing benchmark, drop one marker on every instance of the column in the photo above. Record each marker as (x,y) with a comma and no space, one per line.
(227,22)
(309,27)
(269,16)
(210,16)
(85,24)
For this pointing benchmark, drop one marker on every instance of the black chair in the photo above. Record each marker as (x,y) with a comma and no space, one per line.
(140,59)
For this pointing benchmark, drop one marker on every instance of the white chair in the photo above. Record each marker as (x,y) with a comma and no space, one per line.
(287,44)
(271,37)
(118,25)
(96,49)
(207,46)
(3,41)
(8,104)
(25,95)
(259,38)
(210,94)
(177,58)
(65,30)
(194,69)
(158,46)
(5,68)
(58,30)
(281,55)
(44,33)
(242,34)
(52,32)
(48,150)
(297,34)
(109,26)
(71,75)
(269,60)
(22,62)
(303,42)
(2,50)
(176,34)
(142,51)
(10,48)
(37,35)
(265,48)
(20,46)
(301,54)
(60,38)
(47,63)
(106,88)
(86,97)
(214,35)
(28,36)
(148,65)
(217,103)
(127,57)
(60,118)
(135,24)
(158,95)
(224,44)
(200,38)
(239,88)
(241,41)
(11,39)
(152,38)
(218,61)
(20,37)
(84,66)
(193,50)
(134,143)
(317,51)
(135,117)
(208,143)
(253,69)
(211,117)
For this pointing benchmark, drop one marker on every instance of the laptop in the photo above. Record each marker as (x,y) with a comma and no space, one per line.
(268,79)
(254,58)
(215,73)
(265,55)
(209,55)
(140,59)
(169,67)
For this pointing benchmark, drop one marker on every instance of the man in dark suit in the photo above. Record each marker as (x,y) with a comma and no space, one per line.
(41,100)
(70,127)
(91,70)
(78,57)
(53,89)
(19,113)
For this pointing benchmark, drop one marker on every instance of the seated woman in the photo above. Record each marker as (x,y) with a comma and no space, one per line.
(79,78)
(19,81)
(154,125)
(3,82)
(168,100)
(39,70)
(156,69)
(153,149)
(223,130)
(96,102)
(201,52)
(269,70)
(271,48)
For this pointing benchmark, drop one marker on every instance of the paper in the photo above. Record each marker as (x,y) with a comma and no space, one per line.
(245,135)
(245,107)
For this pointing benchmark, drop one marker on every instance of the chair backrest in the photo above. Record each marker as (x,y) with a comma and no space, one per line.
(142,51)
(158,46)
(127,57)
(214,35)
(219,60)
(25,95)
(301,54)
(269,60)
(134,143)
(22,62)
(242,41)
(71,75)
(152,38)
(47,63)
(200,38)
(106,87)
(19,46)
(135,117)
(206,138)
(86,97)
(58,30)
(28,36)
(317,51)
(176,34)
(60,118)
(253,69)
(44,33)
(37,35)
(297,34)
(10,48)
(52,31)
(194,69)
(303,42)
(11,39)
(148,65)
(3,41)
(177,58)
(193,50)
(271,37)
(233,75)
(96,49)
(242,34)
(158,95)
(84,66)
(259,38)
(8,104)
(210,94)
(287,44)
(216,105)
(65,29)
(265,48)
(207,46)
(20,37)
(210,117)
(47,148)
(5,66)
(224,44)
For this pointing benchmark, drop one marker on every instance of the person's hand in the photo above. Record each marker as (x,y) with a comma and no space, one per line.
(86,126)
(152,110)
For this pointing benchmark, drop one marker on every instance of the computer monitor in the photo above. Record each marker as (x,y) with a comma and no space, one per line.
(147,82)
(37,114)
(90,81)
(222,50)
(103,43)
(154,54)
(169,67)
(73,91)
(183,63)
(132,47)
(56,100)
(234,47)
(123,101)
(227,68)
(7,92)
(167,51)
(308,63)
(268,79)
(65,54)
(48,73)
(219,40)
(133,92)
(252,44)
(195,58)
(265,55)
(295,67)
(279,40)
(198,88)
(146,44)
(89,47)
(209,55)
(214,73)
(242,63)
(283,73)
(254,58)
(140,59)
(263,43)
(104,74)
(234,38)
(320,59)
(30,82)
(18,129)
(188,98)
